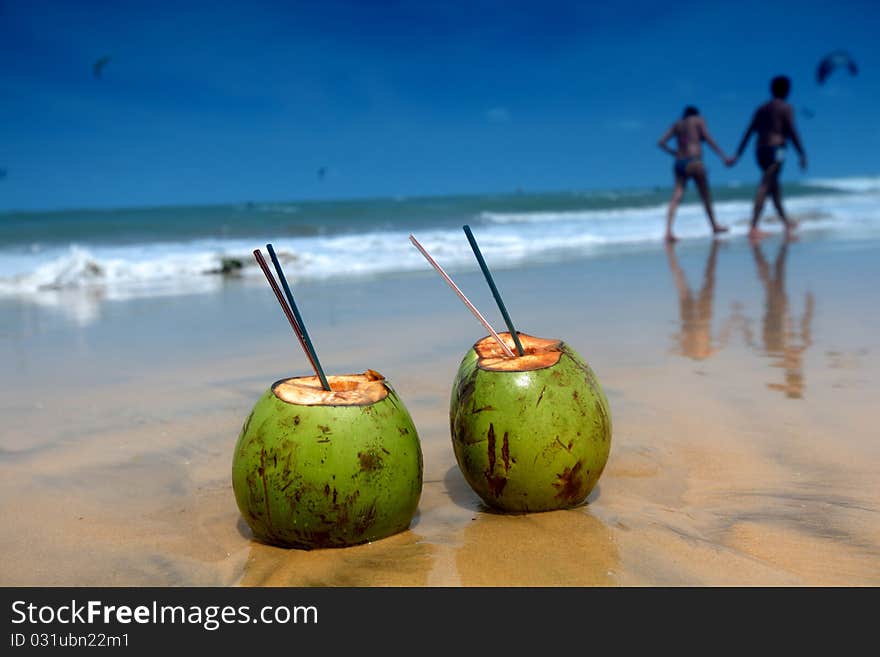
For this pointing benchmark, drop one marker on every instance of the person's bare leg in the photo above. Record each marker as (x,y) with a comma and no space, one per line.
(776,197)
(702,183)
(677,193)
(761,196)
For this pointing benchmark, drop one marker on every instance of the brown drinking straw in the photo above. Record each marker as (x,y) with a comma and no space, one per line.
(461,296)
(287,312)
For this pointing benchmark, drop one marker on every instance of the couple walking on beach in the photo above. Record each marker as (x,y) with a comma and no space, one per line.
(772,122)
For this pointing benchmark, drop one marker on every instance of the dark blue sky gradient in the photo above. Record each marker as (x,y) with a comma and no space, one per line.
(221,102)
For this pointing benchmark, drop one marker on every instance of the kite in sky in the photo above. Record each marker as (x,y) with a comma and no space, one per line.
(831,62)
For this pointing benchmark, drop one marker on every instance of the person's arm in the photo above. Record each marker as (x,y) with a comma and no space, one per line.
(714,146)
(743,142)
(664,141)
(792,134)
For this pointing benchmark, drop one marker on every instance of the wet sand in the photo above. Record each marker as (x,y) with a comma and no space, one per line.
(742,386)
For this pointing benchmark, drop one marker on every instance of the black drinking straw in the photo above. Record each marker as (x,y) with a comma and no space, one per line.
(495,292)
(299,320)
(294,318)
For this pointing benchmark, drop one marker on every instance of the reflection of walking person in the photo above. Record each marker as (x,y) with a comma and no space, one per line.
(695,313)
(781,340)
(690,131)
(773,123)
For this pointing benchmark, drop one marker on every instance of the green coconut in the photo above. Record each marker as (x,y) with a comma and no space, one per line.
(531,433)
(315,468)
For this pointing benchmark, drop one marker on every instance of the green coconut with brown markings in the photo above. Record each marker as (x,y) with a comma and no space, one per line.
(315,468)
(530,433)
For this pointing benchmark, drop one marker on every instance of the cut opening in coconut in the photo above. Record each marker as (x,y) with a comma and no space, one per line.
(537,353)
(345,390)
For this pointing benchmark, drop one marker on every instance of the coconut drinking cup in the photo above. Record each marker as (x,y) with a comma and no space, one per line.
(314,468)
(530,433)
(531,428)
(325,461)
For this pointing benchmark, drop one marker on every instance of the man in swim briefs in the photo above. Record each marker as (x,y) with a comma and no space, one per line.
(773,122)
(690,131)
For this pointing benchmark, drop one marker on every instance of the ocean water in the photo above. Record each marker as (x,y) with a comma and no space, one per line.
(168,250)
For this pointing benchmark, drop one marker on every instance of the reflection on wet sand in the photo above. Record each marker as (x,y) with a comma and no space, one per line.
(694,340)
(570,547)
(553,548)
(403,559)
(785,339)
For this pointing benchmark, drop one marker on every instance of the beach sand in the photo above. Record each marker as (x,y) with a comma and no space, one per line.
(742,387)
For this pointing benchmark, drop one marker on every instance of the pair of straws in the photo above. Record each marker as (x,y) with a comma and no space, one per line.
(291,312)
(299,328)
(495,293)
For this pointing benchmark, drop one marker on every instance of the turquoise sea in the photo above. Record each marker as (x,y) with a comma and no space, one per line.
(156,250)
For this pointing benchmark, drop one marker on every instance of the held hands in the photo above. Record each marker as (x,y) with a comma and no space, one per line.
(730,161)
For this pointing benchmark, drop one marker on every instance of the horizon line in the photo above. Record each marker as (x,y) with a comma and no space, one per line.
(519,191)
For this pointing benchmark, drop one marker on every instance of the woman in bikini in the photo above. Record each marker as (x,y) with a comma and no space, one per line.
(690,131)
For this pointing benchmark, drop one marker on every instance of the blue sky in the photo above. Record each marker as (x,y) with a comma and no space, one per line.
(211,102)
